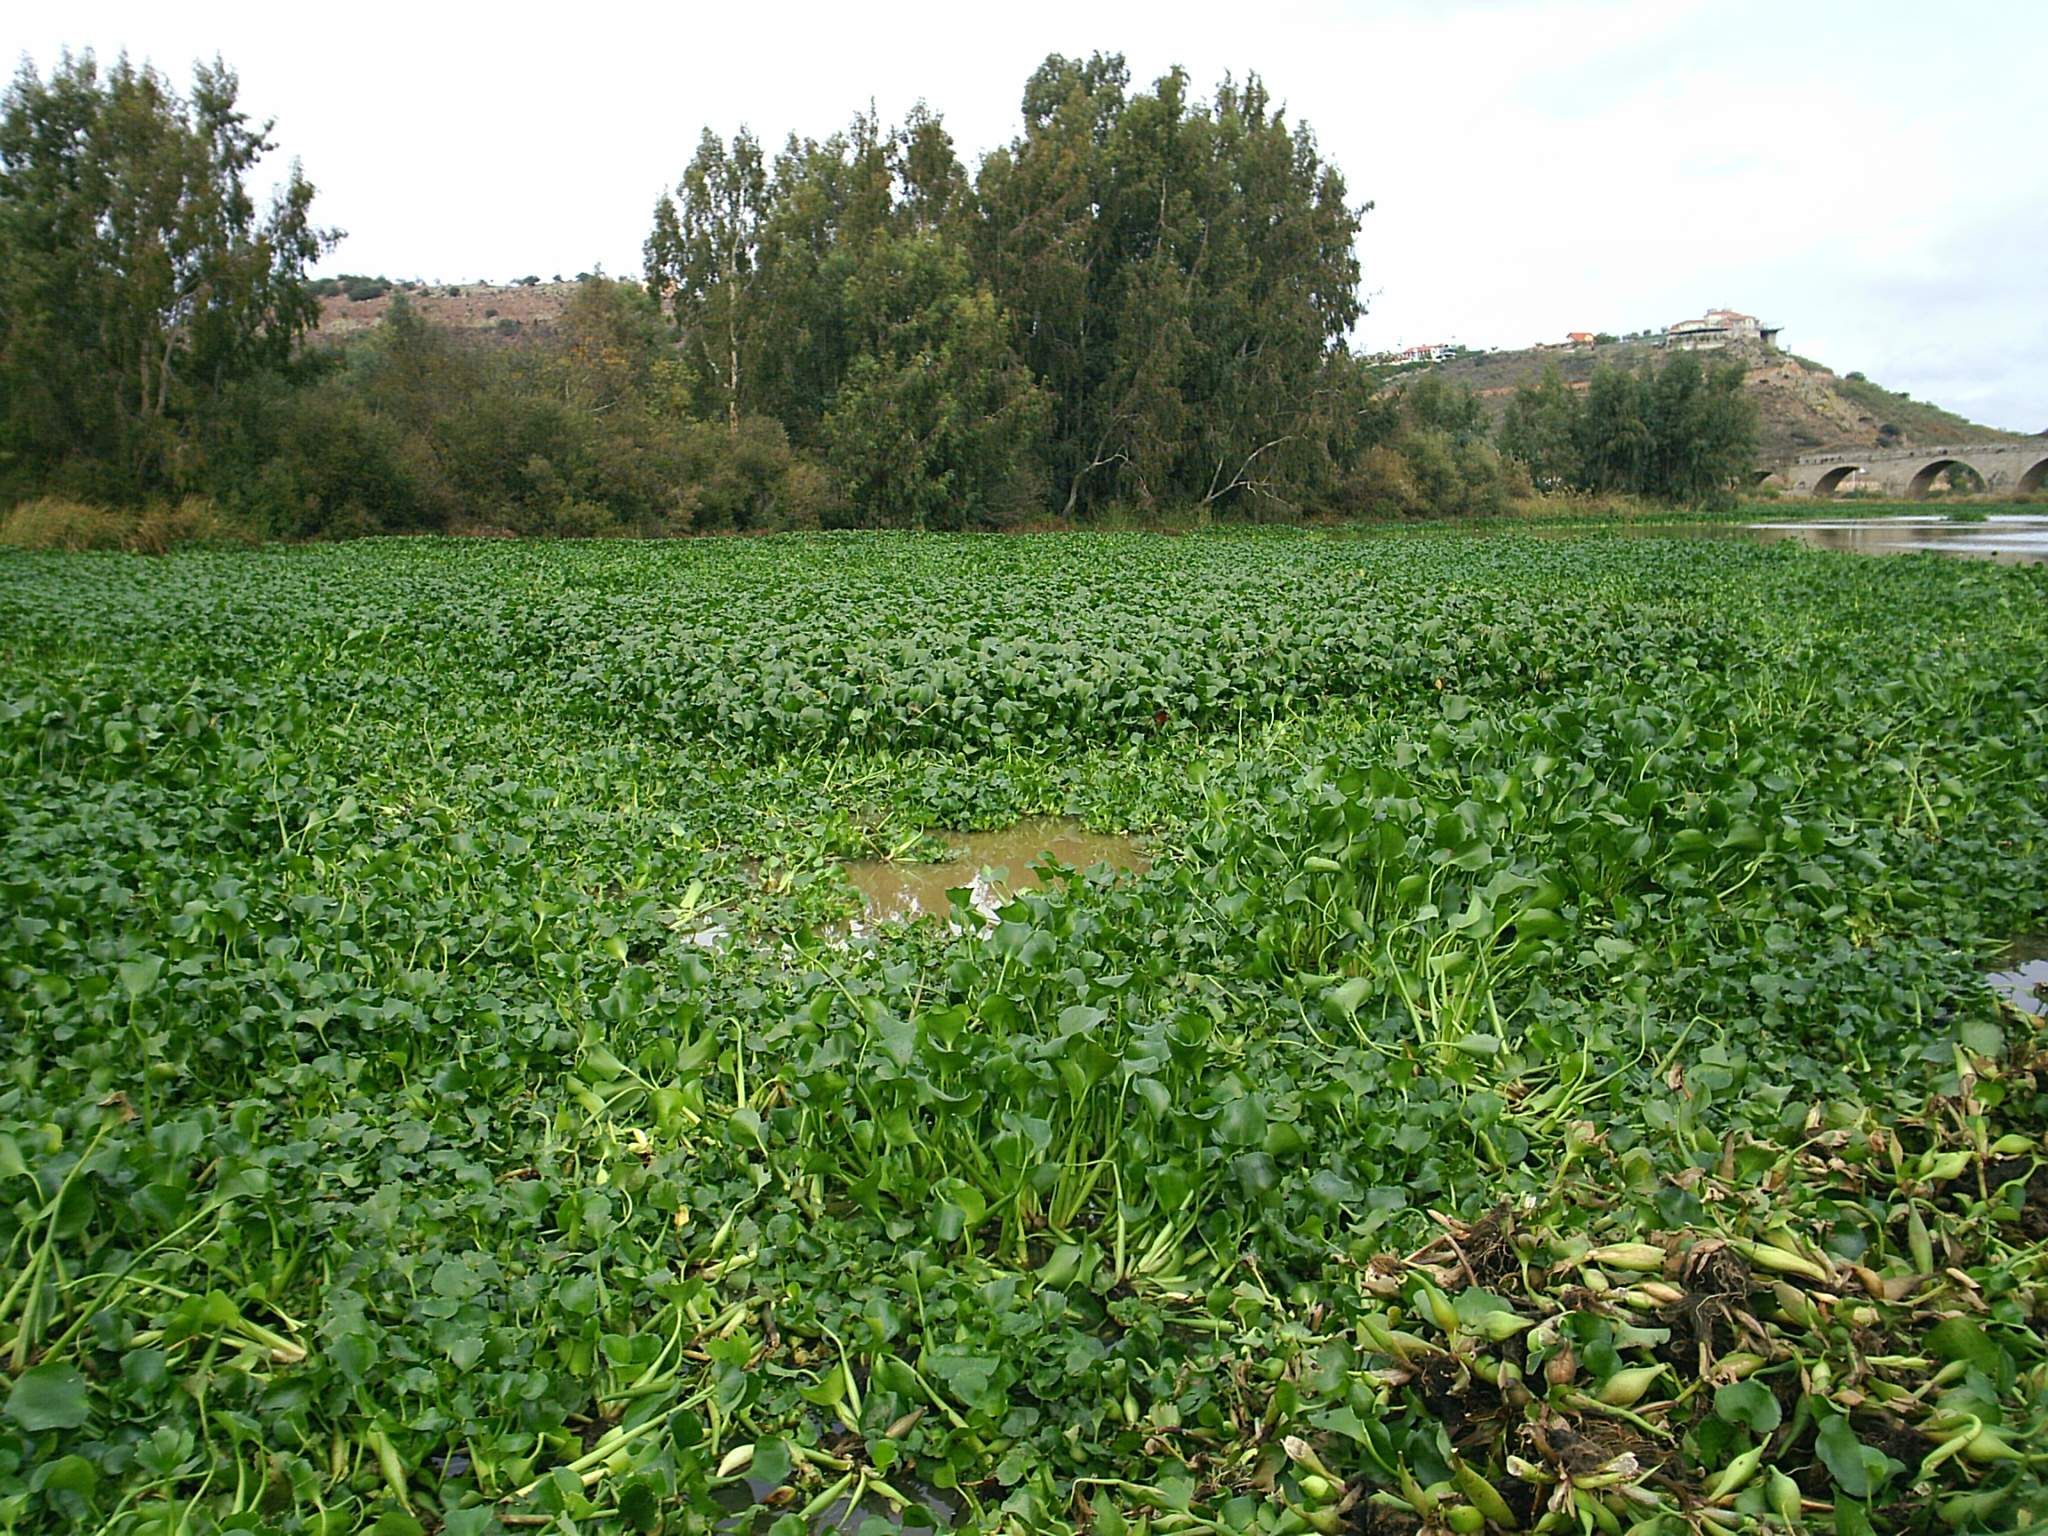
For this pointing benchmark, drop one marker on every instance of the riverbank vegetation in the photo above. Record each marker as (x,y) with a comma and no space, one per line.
(1136,309)
(1545,1080)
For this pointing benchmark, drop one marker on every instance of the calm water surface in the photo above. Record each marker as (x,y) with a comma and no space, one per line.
(2023,980)
(2008,539)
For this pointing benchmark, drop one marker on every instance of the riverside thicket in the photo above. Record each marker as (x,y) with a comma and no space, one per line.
(1140,306)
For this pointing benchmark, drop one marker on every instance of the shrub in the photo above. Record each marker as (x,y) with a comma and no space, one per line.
(315,461)
(56,522)
(810,496)
(53,522)
(749,479)
(194,521)
(1380,485)
(512,457)
(582,520)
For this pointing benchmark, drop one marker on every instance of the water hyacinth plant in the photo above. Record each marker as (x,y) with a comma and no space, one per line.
(1544,1082)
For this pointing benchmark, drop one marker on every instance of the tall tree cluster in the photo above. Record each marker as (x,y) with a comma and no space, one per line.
(138,278)
(1141,299)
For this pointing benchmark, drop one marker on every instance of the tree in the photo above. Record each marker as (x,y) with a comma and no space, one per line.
(936,422)
(1614,444)
(703,260)
(1177,275)
(1044,253)
(1703,430)
(1681,434)
(1540,428)
(138,280)
(934,184)
(828,201)
(606,346)
(1451,409)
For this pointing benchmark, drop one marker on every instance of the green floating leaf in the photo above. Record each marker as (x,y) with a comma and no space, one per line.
(72,1474)
(638,1506)
(771,1462)
(140,974)
(49,1397)
(1843,1455)
(1748,1403)
(1958,1338)
(1342,1001)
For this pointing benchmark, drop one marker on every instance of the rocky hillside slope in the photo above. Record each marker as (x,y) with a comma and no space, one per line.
(507,309)
(1803,406)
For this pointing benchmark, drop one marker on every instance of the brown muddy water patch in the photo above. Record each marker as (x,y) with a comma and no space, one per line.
(990,866)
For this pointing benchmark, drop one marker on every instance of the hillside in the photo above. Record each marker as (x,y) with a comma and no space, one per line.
(1803,406)
(507,309)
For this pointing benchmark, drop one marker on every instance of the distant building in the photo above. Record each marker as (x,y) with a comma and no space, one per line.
(1577,339)
(1719,328)
(1432,352)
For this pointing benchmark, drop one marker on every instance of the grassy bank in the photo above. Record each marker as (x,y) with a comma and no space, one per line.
(55,523)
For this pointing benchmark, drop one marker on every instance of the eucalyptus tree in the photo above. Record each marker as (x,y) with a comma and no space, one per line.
(1704,429)
(703,263)
(1539,429)
(937,423)
(1178,274)
(1040,245)
(139,279)
(934,187)
(1679,433)
(828,200)
(1615,441)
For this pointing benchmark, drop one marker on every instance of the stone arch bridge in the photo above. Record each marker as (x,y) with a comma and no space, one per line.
(1907,474)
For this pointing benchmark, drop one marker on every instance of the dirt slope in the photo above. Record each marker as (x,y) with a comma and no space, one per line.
(1803,407)
(508,309)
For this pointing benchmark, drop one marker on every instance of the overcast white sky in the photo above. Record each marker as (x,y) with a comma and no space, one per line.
(1868,174)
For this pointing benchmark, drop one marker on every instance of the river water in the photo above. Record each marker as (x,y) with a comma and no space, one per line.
(2023,980)
(2008,538)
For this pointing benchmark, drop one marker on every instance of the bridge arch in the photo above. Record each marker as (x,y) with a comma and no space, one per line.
(1923,480)
(2033,479)
(1830,482)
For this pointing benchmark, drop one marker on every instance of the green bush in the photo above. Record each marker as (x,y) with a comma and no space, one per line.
(314,460)
(582,520)
(749,478)
(194,521)
(55,522)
